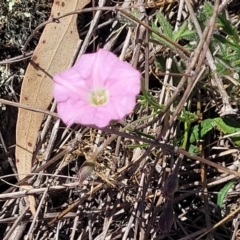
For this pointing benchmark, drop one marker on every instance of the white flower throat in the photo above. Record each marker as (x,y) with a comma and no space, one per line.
(98,96)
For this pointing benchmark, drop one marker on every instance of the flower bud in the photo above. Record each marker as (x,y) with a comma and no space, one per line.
(171,185)
(85,171)
(166,219)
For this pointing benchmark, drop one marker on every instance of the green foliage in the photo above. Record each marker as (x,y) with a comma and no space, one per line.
(133,146)
(166,27)
(227,125)
(157,38)
(206,13)
(223,193)
(228,28)
(162,24)
(177,66)
(160,62)
(147,99)
(201,130)
(187,116)
(193,149)
(183,33)
(224,125)
(225,41)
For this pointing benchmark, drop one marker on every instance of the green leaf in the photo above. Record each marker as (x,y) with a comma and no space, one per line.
(148,98)
(201,129)
(133,146)
(165,25)
(204,14)
(187,116)
(177,35)
(188,34)
(208,8)
(157,38)
(154,35)
(222,21)
(141,134)
(236,139)
(160,62)
(223,192)
(227,125)
(226,42)
(193,149)
(222,65)
(228,28)
(236,62)
(183,32)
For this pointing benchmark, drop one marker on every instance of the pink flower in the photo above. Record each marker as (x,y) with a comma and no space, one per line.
(97,89)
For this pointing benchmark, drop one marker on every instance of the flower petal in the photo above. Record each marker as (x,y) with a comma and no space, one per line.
(100,70)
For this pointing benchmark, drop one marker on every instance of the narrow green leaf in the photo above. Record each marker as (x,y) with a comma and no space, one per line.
(141,134)
(223,193)
(148,98)
(236,62)
(226,42)
(228,28)
(133,146)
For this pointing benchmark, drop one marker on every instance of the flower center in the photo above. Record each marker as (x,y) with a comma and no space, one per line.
(98,96)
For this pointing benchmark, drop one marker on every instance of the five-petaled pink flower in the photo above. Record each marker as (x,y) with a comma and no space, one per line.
(97,89)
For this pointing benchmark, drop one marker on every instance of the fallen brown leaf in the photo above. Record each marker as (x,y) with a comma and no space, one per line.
(52,55)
